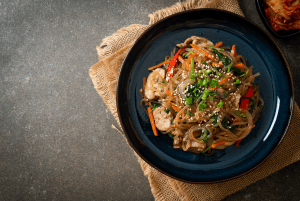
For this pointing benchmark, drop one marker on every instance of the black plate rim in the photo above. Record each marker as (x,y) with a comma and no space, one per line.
(120,115)
(259,6)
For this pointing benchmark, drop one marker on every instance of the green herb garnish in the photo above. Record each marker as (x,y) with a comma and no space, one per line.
(155,105)
(208,148)
(213,83)
(189,113)
(232,128)
(202,106)
(185,55)
(226,61)
(237,81)
(226,93)
(214,119)
(220,104)
(204,62)
(243,75)
(224,122)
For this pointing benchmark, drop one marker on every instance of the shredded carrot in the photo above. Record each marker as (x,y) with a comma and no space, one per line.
(225,79)
(216,64)
(219,44)
(169,93)
(218,143)
(181,59)
(234,51)
(159,65)
(210,56)
(144,83)
(190,57)
(144,86)
(150,112)
(214,88)
(239,65)
(175,108)
(188,61)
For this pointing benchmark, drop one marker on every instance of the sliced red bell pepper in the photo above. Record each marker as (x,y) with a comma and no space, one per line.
(172,64)
(244,104)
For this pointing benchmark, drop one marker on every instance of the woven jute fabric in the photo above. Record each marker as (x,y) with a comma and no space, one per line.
(104,74)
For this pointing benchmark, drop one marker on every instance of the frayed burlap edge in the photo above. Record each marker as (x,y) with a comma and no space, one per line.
(112,51)
(123,37)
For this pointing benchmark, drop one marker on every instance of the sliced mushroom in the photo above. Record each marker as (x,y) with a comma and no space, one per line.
(221,92)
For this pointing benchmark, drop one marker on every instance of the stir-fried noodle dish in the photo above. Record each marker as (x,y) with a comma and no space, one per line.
(203,96)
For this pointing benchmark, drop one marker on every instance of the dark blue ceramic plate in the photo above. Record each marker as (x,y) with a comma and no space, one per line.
(275,87)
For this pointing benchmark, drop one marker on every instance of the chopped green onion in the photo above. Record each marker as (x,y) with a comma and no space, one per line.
(200,82)
(193,74)
(220,104)
(208,71)
(204,95)
(228,69)
(205,82)
(237,81)
(189,101)
(212,98)
(171,135)
(202,106)
(167,110)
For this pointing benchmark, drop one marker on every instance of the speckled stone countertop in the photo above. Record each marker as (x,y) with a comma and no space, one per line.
(56,139)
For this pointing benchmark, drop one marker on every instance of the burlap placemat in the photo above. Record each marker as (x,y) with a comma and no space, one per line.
(104,74)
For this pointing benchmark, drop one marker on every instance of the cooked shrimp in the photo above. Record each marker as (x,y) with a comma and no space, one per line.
(162,118)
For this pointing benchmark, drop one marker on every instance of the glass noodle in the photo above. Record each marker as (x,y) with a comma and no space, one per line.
(203,96)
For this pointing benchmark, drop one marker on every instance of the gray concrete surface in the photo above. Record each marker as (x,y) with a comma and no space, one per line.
(56,140)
